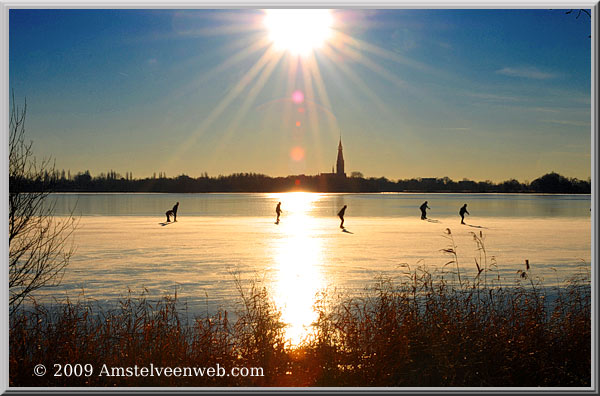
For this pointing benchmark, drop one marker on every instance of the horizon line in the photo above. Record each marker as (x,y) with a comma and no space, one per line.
(163,175)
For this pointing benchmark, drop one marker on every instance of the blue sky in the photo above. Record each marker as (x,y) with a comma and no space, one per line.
(478,94)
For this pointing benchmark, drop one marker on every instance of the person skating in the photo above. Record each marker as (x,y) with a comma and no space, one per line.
(424,208)
(172,212)
(341,216)
(175,207)
(278,211)
(462,212)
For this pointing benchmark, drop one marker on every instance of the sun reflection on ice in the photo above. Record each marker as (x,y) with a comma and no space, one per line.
(298,259)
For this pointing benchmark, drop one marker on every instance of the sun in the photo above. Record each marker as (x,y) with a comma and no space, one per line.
(298,31)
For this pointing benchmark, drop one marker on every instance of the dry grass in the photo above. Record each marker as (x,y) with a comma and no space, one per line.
(425,329)
(439,336)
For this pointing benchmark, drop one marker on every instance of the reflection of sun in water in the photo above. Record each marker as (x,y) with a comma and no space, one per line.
(298,31)
(298,260)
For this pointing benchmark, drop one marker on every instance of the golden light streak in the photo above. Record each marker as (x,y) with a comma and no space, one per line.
(383,53)
(309,93)
(291,86)
(334,127)
(360,45)
(186,23)
(235,59)
(356,56)
(225,102)
(279,87)
(310,69)
(298,259)
(246,48)
(357,82)
(249,100)
(313,67)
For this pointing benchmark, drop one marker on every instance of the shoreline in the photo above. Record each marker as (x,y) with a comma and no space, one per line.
(324,192)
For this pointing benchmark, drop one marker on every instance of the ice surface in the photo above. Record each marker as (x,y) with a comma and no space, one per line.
(198,256)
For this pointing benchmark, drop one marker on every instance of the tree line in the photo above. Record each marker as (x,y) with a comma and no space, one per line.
(40,246)
(254,182)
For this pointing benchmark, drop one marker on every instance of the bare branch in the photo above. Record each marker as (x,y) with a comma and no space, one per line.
(40,244)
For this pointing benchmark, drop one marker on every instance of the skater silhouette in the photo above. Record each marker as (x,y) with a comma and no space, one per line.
(424,208)
(172,212)
(341,216)
(278,211)
(462,212)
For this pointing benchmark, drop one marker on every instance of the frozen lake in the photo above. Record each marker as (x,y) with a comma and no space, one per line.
(121,245)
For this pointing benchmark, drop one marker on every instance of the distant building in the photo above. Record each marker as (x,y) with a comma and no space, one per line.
(340,160)
(339,172)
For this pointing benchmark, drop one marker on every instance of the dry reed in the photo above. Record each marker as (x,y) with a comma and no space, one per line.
(425,329)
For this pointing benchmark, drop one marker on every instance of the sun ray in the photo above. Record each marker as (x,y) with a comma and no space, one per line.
(217,31)
(265,131)
(357,57)
(242,49)
(362,45)
(222,106)
(322,89)
(250,46)
(236,90)
(294,63)
(292,78)
(357,82)
(418,92)
(230,23)
(309,93)
(313,69)
(352,48)
(248,101)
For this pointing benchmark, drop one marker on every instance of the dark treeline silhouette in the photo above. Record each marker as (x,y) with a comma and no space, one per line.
(253,182)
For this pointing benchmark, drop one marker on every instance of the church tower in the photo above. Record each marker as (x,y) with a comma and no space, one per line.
(340,160)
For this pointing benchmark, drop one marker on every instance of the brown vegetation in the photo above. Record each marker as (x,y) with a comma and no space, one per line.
(425,330)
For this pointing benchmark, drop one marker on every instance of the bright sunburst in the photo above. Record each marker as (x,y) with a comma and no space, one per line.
(298,31)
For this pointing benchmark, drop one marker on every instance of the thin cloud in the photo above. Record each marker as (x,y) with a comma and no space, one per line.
(457,129)
(570,123)
(527,72)
(546,109)
(493,97)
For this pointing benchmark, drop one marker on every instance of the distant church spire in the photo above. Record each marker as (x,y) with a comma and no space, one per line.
(340,159)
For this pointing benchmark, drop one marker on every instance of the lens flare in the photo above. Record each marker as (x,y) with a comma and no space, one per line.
(298,97)
(297,153)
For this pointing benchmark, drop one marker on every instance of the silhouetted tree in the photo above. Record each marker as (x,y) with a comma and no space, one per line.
(39,248)
(84,179)
(511,186)
(551,183)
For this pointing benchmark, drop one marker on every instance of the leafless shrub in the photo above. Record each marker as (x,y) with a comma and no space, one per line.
(39,243)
